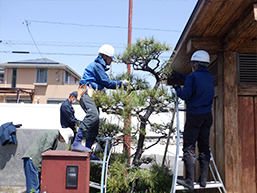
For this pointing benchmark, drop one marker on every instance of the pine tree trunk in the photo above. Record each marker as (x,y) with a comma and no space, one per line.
(141,139)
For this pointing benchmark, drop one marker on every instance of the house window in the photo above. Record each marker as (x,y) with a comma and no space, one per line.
(42,75)
(55,100)
(76,81)
(14,77)
(21,100)
(67,77)
(1,76)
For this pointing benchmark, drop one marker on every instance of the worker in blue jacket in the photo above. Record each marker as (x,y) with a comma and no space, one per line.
(67,113)
(94,78)
(198,93)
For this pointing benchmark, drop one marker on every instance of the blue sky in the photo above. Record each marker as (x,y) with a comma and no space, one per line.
(71,31)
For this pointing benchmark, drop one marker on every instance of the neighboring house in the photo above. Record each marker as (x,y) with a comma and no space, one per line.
(41,81)
(227,29)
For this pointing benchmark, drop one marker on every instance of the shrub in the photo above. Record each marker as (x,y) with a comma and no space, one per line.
(123,178)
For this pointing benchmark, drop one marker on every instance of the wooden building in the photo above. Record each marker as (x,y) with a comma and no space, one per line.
(227,29)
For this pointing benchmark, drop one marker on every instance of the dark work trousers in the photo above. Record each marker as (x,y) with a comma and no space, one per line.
(90,123)
(197,128)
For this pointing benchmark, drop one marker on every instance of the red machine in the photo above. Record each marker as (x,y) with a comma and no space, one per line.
(65,171)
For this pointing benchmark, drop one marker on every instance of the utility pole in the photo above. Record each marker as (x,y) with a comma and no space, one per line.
(130,30)
(127,138)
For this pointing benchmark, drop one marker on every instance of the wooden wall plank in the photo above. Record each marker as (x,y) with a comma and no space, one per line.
(247,90)
(209,44)
(223,14)
(219,120)
(247,143)
(255,129)
(231,145)
(212,138)
(243,31)
(249,47)
(205,16)
(229,9)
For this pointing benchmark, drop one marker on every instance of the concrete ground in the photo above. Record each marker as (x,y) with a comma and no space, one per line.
(9,189)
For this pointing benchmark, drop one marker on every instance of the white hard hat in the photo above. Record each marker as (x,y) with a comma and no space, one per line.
(201,56)
(66,133)
(107,49)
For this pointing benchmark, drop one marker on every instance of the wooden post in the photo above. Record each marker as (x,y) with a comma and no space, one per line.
(219,121)
(255,131)
(246,115)
(233,174)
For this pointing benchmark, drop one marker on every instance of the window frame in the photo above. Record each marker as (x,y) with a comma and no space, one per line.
(14,79)
(45,75)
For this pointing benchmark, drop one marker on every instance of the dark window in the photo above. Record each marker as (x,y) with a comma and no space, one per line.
(76,81)
(14,77)
(42,75)
(1,76)
(67,77)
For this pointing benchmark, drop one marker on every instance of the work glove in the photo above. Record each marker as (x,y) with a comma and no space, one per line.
(176,86)
(175,74)
(125,83)
(81,90)
(77,126)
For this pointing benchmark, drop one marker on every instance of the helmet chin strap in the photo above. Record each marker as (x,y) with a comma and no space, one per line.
(194,66)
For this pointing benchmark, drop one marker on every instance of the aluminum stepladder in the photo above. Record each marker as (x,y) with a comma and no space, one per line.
(216,183)
(105,163)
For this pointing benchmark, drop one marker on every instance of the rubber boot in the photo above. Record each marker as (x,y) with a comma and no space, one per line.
(77,146)
(204,165)
(89,145)
(189,181)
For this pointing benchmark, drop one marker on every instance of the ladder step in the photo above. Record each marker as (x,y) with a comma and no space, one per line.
(96,161)
(211,184)
(104,138)
(94,185)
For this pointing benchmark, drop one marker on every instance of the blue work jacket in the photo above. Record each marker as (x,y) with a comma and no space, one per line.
(67,115)
(8,134)
(95,74)
(198,91)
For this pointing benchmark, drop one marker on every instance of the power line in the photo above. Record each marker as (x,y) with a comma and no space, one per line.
(27,25)
(55,43)
(102,26)
(46,53)
(53,53)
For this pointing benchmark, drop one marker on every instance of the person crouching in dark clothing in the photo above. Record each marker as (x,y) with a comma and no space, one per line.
(67,112)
